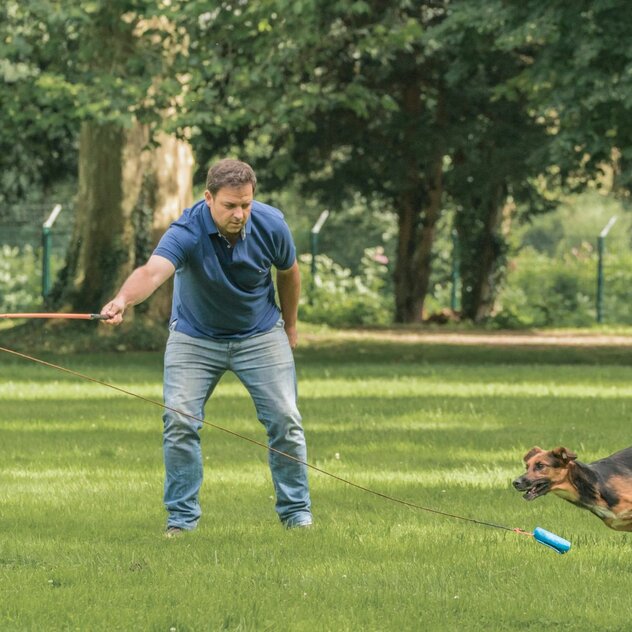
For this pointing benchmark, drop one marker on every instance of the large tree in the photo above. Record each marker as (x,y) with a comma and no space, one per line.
(559,108)
(498,153)
(371,97)
(111,59)
(345,96)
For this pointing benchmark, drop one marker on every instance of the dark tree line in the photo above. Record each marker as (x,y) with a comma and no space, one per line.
(414,105)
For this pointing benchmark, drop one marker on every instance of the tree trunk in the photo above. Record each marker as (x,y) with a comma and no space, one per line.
(419,207)
(482,247)
(128,193)
(172,164)
(419,211)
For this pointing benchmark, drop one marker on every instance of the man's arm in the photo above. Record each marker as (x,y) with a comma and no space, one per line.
(140,284)
(289,289)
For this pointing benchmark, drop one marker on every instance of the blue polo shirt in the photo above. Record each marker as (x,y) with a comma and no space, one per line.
(222,291)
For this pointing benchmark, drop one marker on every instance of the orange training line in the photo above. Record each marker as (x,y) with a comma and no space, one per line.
(56,315)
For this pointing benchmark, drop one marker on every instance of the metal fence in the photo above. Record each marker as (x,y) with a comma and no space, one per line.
(33,244)
(24,226)
(590,283)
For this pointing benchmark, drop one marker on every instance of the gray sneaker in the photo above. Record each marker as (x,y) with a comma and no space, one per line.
(299,525)
(173,532)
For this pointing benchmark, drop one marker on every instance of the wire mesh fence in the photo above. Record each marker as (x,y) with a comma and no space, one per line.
(28,258)
(22,226)
(564,291)
(575,286)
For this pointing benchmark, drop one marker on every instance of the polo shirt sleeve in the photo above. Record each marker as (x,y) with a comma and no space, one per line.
(286,250)
(175,244)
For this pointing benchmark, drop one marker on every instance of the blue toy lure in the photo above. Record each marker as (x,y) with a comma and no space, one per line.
(555,542)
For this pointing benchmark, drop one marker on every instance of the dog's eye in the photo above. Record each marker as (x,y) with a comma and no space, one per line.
(538,466)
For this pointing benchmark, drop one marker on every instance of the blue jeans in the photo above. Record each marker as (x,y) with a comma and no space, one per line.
(265,365)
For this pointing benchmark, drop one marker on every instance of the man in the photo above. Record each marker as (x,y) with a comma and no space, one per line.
(224,318)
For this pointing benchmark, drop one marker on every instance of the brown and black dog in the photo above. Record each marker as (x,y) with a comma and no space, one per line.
(603,487)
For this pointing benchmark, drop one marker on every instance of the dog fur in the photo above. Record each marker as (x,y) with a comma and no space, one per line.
(604,487)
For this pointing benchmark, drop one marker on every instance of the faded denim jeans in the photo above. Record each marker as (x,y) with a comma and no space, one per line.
(265,365)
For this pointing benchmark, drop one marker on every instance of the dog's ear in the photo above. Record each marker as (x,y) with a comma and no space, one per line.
(531,452)
(564,455)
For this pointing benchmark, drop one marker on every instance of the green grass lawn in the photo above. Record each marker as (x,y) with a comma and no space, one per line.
(81,520)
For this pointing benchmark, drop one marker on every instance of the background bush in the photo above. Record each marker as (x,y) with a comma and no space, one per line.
(20,278)
(336,297)
(542,291)
(551,276)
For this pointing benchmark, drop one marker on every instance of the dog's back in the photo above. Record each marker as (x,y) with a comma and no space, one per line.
(617,463)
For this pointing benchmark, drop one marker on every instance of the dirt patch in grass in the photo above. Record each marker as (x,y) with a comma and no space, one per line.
(497,338)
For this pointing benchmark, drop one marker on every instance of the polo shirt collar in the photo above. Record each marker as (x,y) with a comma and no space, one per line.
(211,228)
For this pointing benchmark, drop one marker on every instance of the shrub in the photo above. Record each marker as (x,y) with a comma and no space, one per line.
(618,280)
(543,291)
(335,297)
(20,278)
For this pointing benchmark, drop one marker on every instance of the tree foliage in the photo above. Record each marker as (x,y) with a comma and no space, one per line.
(396,100)
(105,68)
(410,104)
(67,62)
(579,82)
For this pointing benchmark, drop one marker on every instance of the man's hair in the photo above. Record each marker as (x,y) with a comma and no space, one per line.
(230,173)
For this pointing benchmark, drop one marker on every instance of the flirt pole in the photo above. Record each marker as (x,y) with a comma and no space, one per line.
(54,315)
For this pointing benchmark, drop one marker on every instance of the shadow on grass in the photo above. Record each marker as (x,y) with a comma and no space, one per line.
(41,338)
(329,351)
(408,431)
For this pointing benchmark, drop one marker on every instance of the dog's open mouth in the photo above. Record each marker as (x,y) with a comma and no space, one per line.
(539,488)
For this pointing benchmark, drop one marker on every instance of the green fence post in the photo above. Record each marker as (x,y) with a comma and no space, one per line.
(601,249)
(45,262)
(454,274)
(314,248)
(46,250)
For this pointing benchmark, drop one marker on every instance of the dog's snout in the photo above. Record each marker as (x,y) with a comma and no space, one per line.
(519,483)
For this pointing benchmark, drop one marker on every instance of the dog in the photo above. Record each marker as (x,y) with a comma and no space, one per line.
(604,487)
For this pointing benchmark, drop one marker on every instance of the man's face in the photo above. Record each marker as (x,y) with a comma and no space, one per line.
(230,208)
